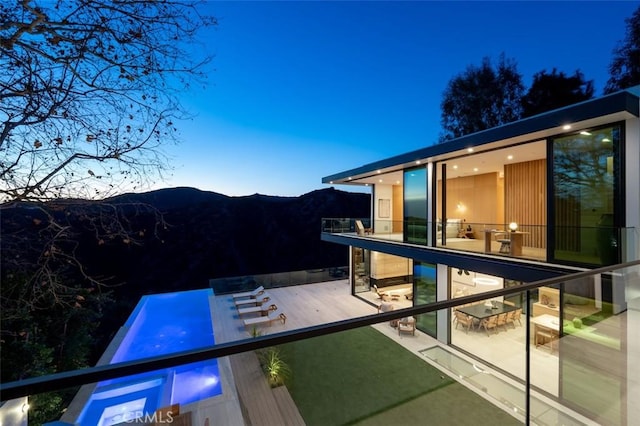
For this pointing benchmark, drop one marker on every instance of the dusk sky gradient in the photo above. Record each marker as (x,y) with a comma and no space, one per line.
(301,90)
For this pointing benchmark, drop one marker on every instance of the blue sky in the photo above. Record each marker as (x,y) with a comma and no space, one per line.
(301,90)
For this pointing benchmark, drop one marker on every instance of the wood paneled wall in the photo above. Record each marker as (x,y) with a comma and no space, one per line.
(478,199)
(525,186)
(386,265)
(398,208)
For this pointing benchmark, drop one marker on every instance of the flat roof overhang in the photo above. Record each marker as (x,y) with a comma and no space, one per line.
(618,106)
(502,266)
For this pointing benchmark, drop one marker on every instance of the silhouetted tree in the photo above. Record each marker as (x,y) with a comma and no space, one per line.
(88,92)
(480,98)
(624,69)
(555,90)
(88,98)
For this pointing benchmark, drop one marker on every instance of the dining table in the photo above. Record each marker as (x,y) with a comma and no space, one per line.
(481,311)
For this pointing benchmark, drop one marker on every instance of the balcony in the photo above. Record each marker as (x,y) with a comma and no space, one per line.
(593,246)
(585,372)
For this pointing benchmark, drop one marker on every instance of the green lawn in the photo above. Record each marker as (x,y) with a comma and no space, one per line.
(363,377)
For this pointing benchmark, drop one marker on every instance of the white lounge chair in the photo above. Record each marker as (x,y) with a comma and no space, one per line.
(250,294)
(245,303)
(268,319)
(262,309)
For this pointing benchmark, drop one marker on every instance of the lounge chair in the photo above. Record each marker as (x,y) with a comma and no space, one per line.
(250,294)
(262,309)
(268,319)
(407,325)
(381,294)
(245,303)
(361,230)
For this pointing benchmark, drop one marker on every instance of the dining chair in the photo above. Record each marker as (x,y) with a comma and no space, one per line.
(489,323)
(501,321)
(516,316)
(464,320)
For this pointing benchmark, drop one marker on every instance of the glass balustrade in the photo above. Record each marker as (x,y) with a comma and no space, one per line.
(558,351)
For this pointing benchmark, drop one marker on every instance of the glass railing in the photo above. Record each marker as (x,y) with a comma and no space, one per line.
(278,279)
(597,245)
(558,351)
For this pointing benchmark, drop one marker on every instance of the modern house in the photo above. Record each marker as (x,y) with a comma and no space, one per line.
(459,235)
(538,198)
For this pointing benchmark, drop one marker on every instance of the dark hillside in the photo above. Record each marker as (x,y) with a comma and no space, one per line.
(208,235)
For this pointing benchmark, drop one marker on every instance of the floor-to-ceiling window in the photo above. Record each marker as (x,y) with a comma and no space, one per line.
(415,206)
(361,269)
(585,174)
(425,287)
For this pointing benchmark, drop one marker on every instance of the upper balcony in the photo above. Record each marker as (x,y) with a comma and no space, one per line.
(599,245)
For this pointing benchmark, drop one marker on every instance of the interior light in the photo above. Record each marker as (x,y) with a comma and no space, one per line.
(509,157)
(606,140)
(380,180)
(475,169)
(513,226)
(584,133)
(455,166)
(349,178)
(417,161)
(566,127)
(397,182)
(469,149)
(485,281)
(25,407)
(379,171)
(330,182)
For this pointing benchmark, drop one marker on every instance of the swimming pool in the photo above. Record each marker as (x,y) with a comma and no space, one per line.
(159,325)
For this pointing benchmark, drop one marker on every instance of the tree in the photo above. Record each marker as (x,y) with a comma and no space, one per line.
(555,90)
(480,98)
(88,99)
(624,69)
(88,92)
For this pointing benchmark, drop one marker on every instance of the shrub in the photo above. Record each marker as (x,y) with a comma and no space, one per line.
(577,323)
(276,369)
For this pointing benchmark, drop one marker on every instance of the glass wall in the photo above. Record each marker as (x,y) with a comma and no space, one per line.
(361,270)
(415,206)
(424,281)
(586,169)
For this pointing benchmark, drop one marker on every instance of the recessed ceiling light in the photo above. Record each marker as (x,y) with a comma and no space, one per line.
(509,157)
(350,178)
(397,182)
(380,180)
(469,149)
(455,166)
(379,171)
(566,127)
(585,133)
(475,169)
(417,161)
(366,184)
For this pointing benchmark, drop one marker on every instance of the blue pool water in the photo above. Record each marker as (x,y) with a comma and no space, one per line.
(161,324)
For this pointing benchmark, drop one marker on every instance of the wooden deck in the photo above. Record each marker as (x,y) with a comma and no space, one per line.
(304,306)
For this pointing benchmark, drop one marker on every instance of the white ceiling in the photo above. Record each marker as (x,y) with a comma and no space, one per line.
(485,162)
